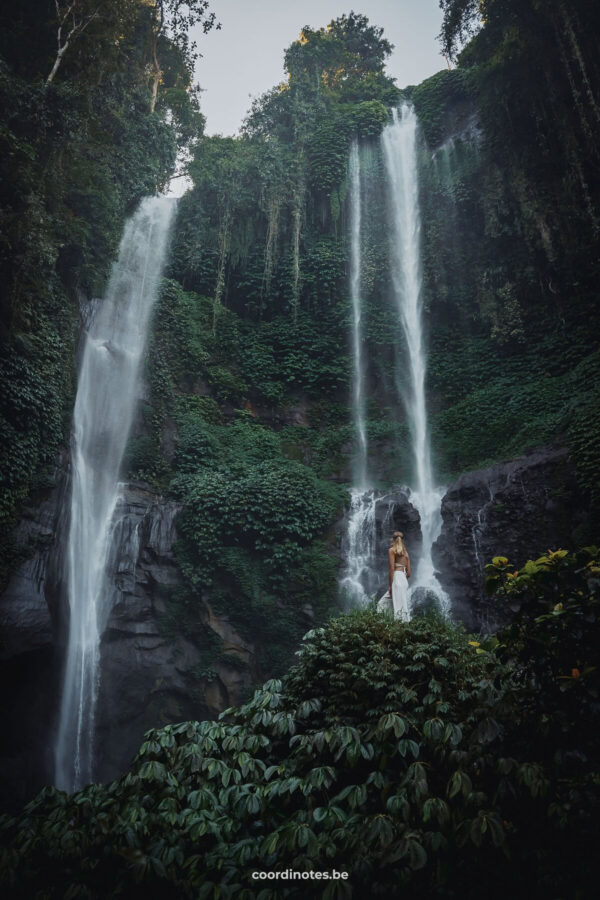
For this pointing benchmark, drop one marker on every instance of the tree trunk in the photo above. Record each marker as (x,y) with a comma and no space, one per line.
(156,77)
(57,63)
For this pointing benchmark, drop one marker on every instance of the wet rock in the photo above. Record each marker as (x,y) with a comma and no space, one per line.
(517,509)
(29,653)
(366,530)
(29,605)
(151,672)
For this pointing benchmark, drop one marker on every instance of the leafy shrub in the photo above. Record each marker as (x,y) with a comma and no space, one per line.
(436,100)
(393,752)
(363,760)
(273,507)
(554,635)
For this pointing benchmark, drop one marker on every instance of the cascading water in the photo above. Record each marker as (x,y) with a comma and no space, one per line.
(399,140)
(107,392)
(359,544)
(358,406)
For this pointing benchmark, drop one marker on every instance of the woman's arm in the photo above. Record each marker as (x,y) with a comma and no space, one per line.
(391,560)
(407,566)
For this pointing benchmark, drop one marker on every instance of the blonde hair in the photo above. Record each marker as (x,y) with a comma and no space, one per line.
(398,544)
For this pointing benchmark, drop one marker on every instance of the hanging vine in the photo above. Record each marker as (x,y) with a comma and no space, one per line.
(224,241)
(273,212)
(297,231)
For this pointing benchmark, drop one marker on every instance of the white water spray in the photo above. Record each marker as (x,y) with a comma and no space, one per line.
(105,405)
(399,141)
(359,546)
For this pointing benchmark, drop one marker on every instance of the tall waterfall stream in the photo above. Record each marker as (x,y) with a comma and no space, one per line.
(107,393)
(399,145)
(358,405)
(360,536)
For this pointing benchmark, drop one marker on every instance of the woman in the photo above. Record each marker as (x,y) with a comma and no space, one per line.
(399,573)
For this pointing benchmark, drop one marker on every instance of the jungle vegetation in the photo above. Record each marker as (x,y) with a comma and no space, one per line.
(83,140)
(416,755)
(249,357)
(411,756)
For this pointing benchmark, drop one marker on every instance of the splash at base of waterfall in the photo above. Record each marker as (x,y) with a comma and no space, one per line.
(425,591)
(365,546)
(360,579)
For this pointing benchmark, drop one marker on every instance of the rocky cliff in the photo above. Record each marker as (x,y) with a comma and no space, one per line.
(29,648)
(153,671)
(517,509)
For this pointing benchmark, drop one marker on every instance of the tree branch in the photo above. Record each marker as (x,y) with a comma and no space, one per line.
(77,28)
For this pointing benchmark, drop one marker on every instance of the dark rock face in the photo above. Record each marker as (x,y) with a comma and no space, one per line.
(29,655)
(400,515)
(516,509)
(29,607)
(150,673)
(156,670)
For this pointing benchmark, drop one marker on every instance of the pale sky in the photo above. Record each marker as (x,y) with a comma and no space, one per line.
(245,58)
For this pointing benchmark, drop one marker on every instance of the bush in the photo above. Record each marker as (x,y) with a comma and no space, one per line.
(363,759)
(392,752)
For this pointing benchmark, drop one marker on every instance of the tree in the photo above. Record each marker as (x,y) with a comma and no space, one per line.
(72,19)
(178,16)
(458,25)
(392,752)
(347,48)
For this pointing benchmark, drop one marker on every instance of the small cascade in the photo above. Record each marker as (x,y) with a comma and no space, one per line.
(107,393)
(358,581)
(443,160)
(478,530)
(399,140)
(370,517)
(476,536)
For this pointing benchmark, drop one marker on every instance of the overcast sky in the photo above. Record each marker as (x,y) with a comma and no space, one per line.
(245,58)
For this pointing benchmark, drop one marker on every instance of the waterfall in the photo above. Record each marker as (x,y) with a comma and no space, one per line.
(107,392)
(399,140)
(359,544)
(358,405)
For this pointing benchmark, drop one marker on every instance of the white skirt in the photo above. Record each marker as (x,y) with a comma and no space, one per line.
(398,602)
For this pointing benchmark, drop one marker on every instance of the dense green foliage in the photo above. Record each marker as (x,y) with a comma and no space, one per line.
(77,154)
(510,207)
(510,212)
(255,515)
(410,756)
